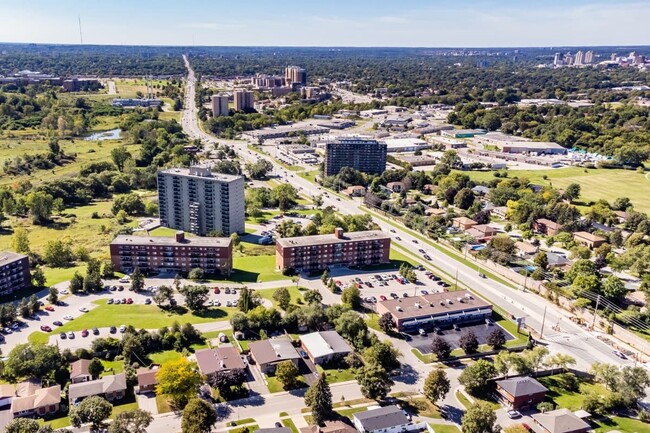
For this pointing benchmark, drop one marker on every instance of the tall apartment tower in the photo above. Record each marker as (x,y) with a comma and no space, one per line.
(244,100)
(557,60)
(219,105)
(589,57)
(579,59)
(198,201)
(367,156)
(295,74)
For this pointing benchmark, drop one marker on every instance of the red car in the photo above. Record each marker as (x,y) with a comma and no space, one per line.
(49,308)
(84,333)
(383,298)
(46,328)
(216,291)
(129,301)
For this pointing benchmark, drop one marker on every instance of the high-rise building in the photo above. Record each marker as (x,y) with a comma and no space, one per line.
(557,60)
(295,74)
(219,105)
(198,201)
(367,156)
(589,57)
(579,58)
(568,59)
(244,100)
(14,272)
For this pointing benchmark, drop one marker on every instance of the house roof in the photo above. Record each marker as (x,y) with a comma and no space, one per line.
(464,220)
(40,398)
(79,368)
(325,343)
(548,223)
(147,376)
(381,418)
(588,236)
(7,390)
(556,259)
(560,421)
(28,387)
(273,430)
(273,350)
(104,385)
(218,359)
(525,247)
(521,386)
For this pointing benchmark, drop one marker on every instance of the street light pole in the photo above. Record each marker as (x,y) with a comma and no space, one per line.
(541,331)
(593,323)
(456,280)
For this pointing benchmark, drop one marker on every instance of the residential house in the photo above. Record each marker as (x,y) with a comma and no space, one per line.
(560,421)
(355,191)
(463,223)
(481,190)
(557,260)
(526,250)
(546,227)
(112,387)
(33,400)
(330,427)
(431,211)
(267,354)
(387,419)
(429,188)
(396,186)
(7,392)
(273,430)
(324,347)
(499,211)
(520,393)
(482,232)
(621,216)
(79,371)
(588,240)
(215,360)
(147,380)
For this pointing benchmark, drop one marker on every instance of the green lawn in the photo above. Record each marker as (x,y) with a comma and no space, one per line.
(58,423)
(244,421)
(572,400)
(444,428)
(621,424)
(289,423)
(112,367)
(255,269)
(162,403)
(295,292)
(335,375)
(165,356)
(276,386)
(595,184)
(351,411)
(420,406)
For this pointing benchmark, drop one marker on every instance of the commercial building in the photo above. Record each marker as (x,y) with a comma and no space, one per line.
(387,419)
(172,255)
(514,144)
(324,347)
(295,74)
(244,100)
(520,393)
(267,354)
(312,253)
(405,144)
(219,105)
(198,201)
(14,272)
(462,133)
(216,360)
(561,421)
(367,156)
(436,309)
(134,102)
(283,131)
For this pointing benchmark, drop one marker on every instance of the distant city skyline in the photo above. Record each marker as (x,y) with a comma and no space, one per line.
(364,23)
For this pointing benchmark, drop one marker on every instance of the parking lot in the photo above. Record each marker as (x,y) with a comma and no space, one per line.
(481,330)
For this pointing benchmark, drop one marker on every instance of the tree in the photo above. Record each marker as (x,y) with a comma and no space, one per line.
(374,381)
(179,380)
(325,277)
(536,356)
(436,385)
(108,270)
(95,368)
(131,421)
(440,348)
(20,241)
(572,192)
(225,380)
(248,299)
(287,373)
(195,297)
(120,155)
(38,277)
(259,169)
(164,294)
(479,418)
(317,200)
(386,322)
(353,328)
(40,206)
(282,297)
(468,342)
(464,198)
(94,410)
(319,399)
(57,253)
(496,339)
(313,297)
(196,274)
(382,353)
(607,374)
(450,159)
(475,376)
(32,360)
(503,362)
(285,195)
(614,288)
(23,308)
(560,360)
(34,304)
(26,425)
(53,295)
(199,416)
(541,260)
(351,296)
(521,364)
(137,280)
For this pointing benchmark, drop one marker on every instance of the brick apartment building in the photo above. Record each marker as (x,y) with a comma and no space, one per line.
(312,253)
(367,156)
(14,272)
(177,254)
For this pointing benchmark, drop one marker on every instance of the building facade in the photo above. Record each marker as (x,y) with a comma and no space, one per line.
(295,74)
(312,253)
(367,156)
(219,105)
(520,393)
(14,272)
(177,254)
(198,201)
(243,100)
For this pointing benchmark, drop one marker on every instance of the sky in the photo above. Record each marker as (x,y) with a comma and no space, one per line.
(385,23)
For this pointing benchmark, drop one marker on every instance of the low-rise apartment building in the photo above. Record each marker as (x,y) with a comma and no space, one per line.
(14,272)
(172,255)
(312,253)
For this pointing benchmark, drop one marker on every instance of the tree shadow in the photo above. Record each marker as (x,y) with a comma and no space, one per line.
(408,375)
(241,276)
(211,313)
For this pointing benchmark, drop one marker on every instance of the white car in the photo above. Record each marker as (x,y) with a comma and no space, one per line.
(513,414)
(228,304)
(63,292)
(124,280)
(84,309)
(216,303)
(68,317)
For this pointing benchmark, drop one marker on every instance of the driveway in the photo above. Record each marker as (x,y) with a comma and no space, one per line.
(255,381)
(147,401)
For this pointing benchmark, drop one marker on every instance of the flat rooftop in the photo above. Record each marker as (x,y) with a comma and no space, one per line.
(9,257)
(201,173)
(301,241)
(434,304)
(171,241)
(531,144)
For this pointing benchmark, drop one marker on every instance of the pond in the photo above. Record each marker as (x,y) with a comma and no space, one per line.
(113,134)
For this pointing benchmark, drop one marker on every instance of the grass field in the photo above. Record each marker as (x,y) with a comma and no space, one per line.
(444,428)
(335,375)
(254,269)
(571,400)
(296,295)
(620,424)
(596,183)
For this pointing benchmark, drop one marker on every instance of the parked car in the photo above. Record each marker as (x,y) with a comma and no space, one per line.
(513,414)
(394,295)
(122,329)
(216,303)
(303,353)
(437,330)
(112,330)
(62,335)
(382,297)
(110,301)
(68,317)
(84,333)
(129,301)
(120,289)
(95,331)
(424,292)
(124,280)
(405,295)
(227,290)
(70,335)
(489,322)
(147,301)
(422,332)
(84,309)
(46,328)
(63,292)
(123,301)
(49,308)
(217,291)
(456,327)
(228,304)
(57,323)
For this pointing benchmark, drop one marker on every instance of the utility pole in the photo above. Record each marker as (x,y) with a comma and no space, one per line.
(593,323)
(456,280)
(525,280)
(541,331)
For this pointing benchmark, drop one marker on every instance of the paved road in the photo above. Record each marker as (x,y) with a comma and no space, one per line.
(111,88)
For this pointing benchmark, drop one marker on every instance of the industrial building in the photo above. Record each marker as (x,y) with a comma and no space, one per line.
(219,105)
(198,201)
(367,156)
(313,253)
(14,272)
(462,133)
(405,145)
(134,102)
(514,144)
(436,309)
(283,131)
(172,255)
